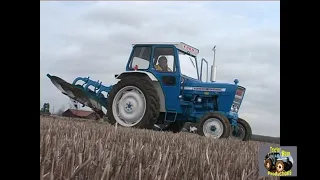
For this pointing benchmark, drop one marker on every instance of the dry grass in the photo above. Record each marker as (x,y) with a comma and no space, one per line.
(87,150)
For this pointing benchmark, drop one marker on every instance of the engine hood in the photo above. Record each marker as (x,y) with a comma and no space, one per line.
(230,95)
(214,87)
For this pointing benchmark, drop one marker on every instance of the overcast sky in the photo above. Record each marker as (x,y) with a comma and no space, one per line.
(94,39)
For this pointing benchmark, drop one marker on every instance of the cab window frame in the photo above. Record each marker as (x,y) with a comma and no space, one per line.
(147,50)
(156,57)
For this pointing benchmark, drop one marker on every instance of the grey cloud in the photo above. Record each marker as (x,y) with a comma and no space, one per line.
(118,16)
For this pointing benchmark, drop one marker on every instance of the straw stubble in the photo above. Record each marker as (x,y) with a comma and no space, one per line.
(85,150)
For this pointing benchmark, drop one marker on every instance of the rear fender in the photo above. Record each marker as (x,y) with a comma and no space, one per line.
(131,73)
(156,84)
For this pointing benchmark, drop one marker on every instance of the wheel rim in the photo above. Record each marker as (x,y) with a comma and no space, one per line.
(241,132)
(129,106)
(213,128)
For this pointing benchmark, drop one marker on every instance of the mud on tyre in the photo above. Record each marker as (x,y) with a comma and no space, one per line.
(133,102)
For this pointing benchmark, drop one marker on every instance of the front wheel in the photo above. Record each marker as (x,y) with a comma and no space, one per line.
(280,166)
(243,132)
(288,166)
(214,125)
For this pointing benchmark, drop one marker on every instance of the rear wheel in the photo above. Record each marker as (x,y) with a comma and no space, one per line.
(133,102)
(243,132)
(280,166)
(214,125)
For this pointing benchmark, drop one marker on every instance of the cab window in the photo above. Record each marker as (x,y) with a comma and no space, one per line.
(140,58)
(164,60)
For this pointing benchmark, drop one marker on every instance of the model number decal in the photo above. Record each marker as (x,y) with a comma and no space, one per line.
(205,89)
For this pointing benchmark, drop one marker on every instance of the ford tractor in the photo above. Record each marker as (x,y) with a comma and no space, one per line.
(162,88)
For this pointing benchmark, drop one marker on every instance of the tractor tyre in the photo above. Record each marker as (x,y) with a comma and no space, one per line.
(244,125)
(288,166)
(280,166)
(214,125)
(133,102)
(268,164)
(176,126)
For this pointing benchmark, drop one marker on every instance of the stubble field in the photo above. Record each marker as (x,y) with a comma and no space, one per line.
(85,150)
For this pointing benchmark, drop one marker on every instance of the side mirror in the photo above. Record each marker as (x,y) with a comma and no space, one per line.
(182,80)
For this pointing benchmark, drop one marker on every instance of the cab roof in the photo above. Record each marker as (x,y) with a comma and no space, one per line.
(179,45)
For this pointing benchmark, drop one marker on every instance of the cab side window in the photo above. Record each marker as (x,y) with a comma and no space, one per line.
(140,58)
(164,60)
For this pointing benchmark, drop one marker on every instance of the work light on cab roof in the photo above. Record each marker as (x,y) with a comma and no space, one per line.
(164,86)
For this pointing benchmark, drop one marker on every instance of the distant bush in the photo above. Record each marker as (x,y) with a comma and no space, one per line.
(87,150)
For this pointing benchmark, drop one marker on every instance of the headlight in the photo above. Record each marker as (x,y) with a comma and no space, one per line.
(234,108)
(199,99)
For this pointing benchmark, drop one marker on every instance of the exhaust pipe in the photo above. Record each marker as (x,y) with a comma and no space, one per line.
(213,66)
(213,73)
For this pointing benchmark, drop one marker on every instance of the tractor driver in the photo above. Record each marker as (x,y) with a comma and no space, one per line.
(163,64)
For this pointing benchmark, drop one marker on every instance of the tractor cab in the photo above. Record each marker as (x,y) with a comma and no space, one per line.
(179,58)
(277,155)
(273,155)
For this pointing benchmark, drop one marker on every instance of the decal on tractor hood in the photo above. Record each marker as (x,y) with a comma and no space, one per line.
(205,89)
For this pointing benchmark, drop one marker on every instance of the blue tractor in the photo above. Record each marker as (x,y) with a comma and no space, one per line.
(163,88)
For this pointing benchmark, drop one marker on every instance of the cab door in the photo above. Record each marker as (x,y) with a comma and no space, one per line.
(169,80)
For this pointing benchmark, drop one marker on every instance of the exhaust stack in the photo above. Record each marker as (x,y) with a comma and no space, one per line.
(213,66)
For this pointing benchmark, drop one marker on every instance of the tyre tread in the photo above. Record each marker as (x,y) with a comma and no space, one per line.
(248,130)
(152,100)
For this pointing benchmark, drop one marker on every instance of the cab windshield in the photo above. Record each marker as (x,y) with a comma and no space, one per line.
(188,65)
(277,155)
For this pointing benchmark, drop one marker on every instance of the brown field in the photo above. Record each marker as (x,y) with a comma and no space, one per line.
(85,150)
